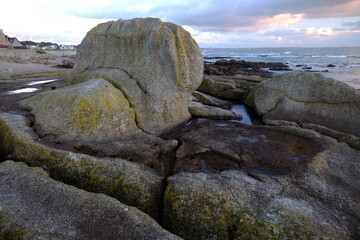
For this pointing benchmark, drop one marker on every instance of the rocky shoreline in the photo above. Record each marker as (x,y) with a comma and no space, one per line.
(145,143)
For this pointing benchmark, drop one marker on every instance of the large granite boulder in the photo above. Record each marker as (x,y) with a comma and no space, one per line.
(131,183)
(261,182)
(308,98)
(34,206)
(156,65)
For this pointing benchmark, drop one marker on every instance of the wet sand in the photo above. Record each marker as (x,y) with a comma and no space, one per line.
(19,61)
(22,74)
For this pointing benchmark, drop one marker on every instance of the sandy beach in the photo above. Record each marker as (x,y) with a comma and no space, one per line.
(20,61)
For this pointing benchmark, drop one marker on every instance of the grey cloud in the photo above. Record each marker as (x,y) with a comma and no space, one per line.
(354,25)
(220,16)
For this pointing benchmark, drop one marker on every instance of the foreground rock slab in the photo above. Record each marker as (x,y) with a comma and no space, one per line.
(156,65)
(131,183)
(259,182)
(34,206)
(308,98)
(207,145)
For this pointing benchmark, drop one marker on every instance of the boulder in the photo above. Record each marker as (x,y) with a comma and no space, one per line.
(131,183)
(34,206)
(199,110)
(156,65)
(211,100)
(66,64)
(221,89)
(261,182)
(90,111)
(308,98)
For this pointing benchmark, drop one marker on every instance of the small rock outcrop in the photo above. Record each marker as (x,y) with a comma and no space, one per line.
(200,110)
(34,206)
(308,98)
(156,65)
(221,89)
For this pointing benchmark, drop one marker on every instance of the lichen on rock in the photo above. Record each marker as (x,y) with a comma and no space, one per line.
(91,111)
(131,183)
(157,65)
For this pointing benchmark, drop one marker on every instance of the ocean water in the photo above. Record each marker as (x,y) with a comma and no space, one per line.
(345,59)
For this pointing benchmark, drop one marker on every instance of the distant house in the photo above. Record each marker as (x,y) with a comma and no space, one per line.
(15,42)
(50,47)
(67,47)
(6,42)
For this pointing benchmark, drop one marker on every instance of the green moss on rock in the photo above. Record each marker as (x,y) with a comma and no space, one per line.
(130,183)
(199,206)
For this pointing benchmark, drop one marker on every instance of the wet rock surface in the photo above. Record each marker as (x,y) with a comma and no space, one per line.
(213,146)
(310,203)
(234,67)
(34,206)
(12,91)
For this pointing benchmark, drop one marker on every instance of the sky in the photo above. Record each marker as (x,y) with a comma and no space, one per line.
(212,23)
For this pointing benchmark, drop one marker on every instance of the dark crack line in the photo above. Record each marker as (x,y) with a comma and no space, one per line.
(137,82)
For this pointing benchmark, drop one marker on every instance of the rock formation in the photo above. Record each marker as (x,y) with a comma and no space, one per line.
(261,182)
(308,98)
(132,184)
(117,129)
(156,65)
(34,206)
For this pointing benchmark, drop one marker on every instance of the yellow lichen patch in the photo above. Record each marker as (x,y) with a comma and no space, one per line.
(86,116)
(319,162)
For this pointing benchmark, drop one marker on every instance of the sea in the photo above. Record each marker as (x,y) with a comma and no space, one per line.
(345,59)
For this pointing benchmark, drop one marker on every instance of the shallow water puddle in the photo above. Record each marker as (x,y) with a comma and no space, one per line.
(260,170)
(42,82)
(241,110)
(222,125)
(22,90)
(204,167)
(297,157)
(253,139)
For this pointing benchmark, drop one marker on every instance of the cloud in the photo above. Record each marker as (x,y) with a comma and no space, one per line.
(223,16)
(230,23)
(354,25)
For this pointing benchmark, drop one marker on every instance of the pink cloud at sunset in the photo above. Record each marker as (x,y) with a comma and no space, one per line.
(237,23)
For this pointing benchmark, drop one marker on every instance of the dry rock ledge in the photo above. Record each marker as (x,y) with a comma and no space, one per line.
(119,133)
